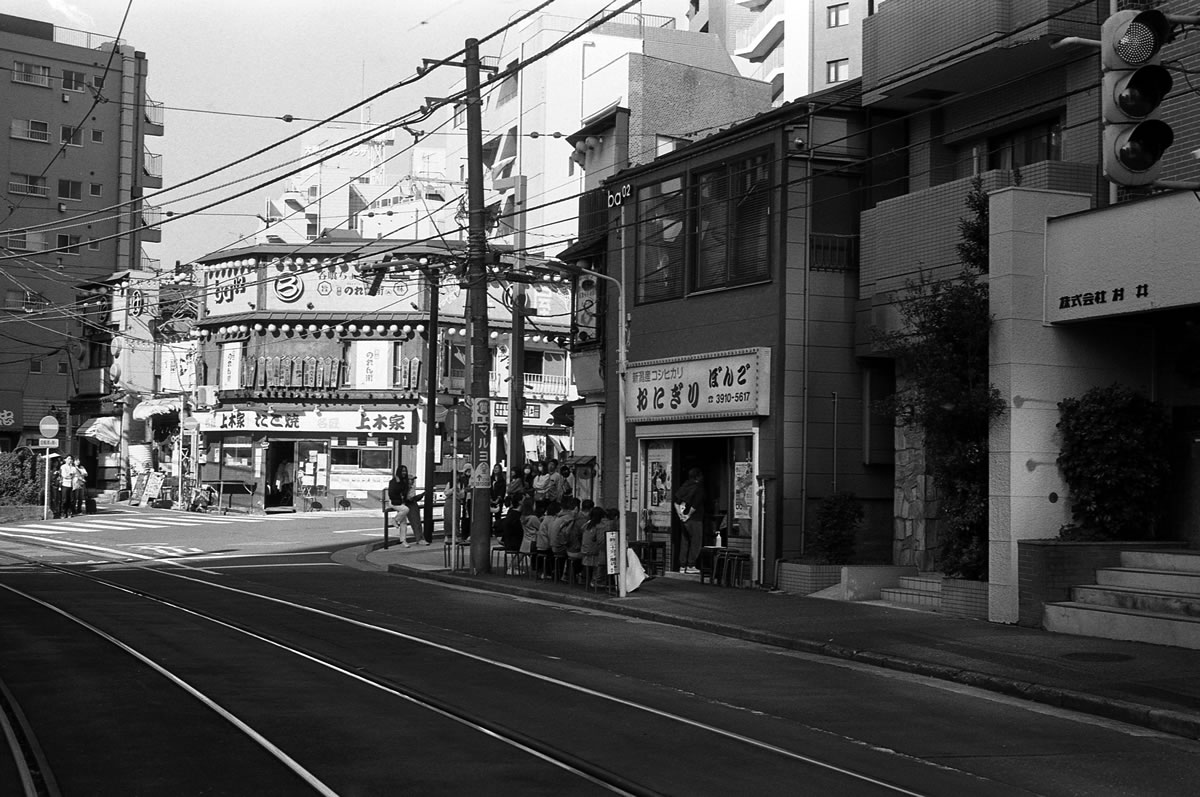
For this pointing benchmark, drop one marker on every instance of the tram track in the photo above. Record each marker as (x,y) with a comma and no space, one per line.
(362,670)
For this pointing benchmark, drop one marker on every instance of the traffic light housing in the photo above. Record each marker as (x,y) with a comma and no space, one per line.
(1134,86)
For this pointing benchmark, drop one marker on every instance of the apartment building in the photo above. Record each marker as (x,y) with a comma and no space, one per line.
(78,116)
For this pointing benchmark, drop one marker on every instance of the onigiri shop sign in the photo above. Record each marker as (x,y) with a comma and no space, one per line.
(721,384)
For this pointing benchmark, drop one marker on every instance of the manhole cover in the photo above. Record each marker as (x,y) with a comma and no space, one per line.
(1084,655)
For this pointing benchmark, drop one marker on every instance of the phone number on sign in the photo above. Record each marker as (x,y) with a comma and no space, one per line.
(729,398)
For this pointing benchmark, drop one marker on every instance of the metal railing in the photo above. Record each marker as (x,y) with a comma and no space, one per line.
(82,38)
(833,252)
(547,385)
(28,189)
(153,111)
(151,214)
(769,15)
(151,164)
(149,263)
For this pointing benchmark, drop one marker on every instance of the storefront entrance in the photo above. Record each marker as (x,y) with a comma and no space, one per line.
(727,464)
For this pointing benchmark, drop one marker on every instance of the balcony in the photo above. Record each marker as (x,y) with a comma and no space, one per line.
(923,225)
(152,113)
(545,386)
(149,217)
(995,43)
(147,263)
(757,41)
(151,169)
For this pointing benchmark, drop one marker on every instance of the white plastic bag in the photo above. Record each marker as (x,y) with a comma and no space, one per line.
(635,574)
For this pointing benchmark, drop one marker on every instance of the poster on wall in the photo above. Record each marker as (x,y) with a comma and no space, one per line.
(743,489)
(658,484)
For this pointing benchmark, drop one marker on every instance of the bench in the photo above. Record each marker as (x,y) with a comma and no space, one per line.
(231,488)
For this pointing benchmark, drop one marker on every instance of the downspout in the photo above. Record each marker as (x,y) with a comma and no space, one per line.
(808,203)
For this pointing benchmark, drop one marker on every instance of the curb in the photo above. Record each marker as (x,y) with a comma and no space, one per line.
(1177,723)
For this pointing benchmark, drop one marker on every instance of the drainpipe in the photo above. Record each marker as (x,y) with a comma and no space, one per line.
(808,203)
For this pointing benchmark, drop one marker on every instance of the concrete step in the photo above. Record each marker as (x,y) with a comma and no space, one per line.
(930,584)
(1184,604)
(1107,622)
(1149,580)
(914,598)
(1178,560)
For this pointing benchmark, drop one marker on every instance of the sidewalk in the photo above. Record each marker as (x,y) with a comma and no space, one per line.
(1147,685)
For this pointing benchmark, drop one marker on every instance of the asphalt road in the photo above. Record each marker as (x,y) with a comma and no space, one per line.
(173,654)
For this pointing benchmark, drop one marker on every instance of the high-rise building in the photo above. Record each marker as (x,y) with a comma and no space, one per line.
(71,211)
(822,46)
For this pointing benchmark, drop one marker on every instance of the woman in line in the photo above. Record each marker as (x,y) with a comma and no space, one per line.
(594,537)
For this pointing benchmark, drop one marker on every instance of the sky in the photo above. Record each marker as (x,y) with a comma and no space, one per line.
(227,70)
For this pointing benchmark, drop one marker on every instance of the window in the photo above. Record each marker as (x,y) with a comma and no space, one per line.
(30,130)
(73,81)
(95,189)
(35,366)
(343,459)
(97,136)
(71,136)
(838,15)
(98,81)
(456,361)
(460,114)
(731,226)
(837,71)
(62,367)
(33,74)
(93,245)
(70,189)
(660,221)
(1032,144)
(236,451)
(28,184)
(68,244)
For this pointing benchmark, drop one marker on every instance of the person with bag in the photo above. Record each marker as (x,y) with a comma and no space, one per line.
(66,474)
(80,488)
(689,508)
(400,496)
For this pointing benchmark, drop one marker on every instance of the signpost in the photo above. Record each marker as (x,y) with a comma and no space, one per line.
(48,426)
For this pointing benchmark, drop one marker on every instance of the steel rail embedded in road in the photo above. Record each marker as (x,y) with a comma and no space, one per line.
(551,754)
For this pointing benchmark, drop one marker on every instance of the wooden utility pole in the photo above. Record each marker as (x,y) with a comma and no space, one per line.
(478,358)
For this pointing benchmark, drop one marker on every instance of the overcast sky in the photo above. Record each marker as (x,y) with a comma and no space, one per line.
(216,64)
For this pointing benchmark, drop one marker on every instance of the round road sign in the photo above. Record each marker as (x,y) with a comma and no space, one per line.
(48,426)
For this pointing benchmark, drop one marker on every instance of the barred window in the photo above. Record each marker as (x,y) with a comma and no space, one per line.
(30,130)
(33,74)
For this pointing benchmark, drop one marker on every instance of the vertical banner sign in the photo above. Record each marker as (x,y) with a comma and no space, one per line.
(481,426)
(628,482)
(231,366)
(610,555)
(371,364)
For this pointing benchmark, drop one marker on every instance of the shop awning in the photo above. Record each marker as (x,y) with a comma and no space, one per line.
(157,406)
(106,430)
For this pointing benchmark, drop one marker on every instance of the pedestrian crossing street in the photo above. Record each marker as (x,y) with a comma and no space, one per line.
(132,521)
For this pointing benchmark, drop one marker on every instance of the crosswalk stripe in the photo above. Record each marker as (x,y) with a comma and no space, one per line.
(37,527)
(31,530)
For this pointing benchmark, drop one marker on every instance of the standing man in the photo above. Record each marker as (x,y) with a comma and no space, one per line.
(689,508)
(67,473)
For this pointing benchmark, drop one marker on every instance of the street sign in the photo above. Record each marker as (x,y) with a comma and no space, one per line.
(47,442)
(48,426)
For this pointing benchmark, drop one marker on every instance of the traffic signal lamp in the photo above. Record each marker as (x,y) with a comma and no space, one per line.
(1134,86)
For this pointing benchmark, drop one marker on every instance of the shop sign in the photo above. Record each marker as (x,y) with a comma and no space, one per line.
(339,421)
(531,410)
(720,384)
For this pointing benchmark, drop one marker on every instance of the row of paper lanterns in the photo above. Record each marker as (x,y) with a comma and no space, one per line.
(354,329)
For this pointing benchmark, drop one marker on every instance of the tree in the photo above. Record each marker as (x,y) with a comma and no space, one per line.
(19,479)
(1114,461)
(941,354)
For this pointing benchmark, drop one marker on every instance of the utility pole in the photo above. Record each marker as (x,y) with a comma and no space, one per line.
(516,348)
(477,324)
(431,365)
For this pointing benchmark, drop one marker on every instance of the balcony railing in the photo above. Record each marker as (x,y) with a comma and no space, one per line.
(152,164)
(151,215)
(153,112)
(770,15)
(149,263)
(546,385)
(833,252)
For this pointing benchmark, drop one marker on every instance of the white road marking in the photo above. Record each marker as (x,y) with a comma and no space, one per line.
(278,564)
(31,531)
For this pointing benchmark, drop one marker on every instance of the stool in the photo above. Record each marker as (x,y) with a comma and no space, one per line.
(594,575)
(459,547)
(736,565)
(560,566)
(541,561)
(520,562)
(571,568)
(498,556)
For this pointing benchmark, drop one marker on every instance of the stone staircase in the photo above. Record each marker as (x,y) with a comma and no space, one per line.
(1154,596)
(915,592)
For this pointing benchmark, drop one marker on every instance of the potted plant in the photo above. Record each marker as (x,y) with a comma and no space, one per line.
(828,546)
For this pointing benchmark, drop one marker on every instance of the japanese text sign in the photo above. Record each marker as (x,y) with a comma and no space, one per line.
(721,384)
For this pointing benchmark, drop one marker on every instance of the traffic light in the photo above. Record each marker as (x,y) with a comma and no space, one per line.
(1134,85)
